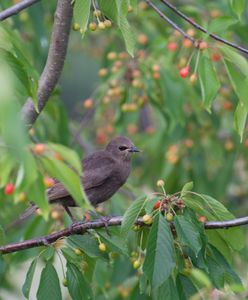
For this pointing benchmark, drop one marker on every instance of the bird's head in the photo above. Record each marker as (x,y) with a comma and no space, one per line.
(122,147)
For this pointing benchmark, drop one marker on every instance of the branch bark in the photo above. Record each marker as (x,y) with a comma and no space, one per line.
(15,9)
(81,228)
(55,60)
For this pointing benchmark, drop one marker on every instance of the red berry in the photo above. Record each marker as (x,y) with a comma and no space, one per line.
(157,204)
(184,72)
(215,57)
(9,189)
(172,47)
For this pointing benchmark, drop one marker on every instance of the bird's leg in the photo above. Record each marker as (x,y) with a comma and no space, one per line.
(66,208)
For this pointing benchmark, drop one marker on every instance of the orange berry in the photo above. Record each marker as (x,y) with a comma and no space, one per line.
(103,72)
(202,219)
(111,55)
(187,43)
(93,26)
(203,45)
(229,146)
(156,75)
(9,189)
(142,39)
(215,57)
(172,46)
(156,68)
(55,215)
(57,156)
(107,23)
(39,148)
(88,103)
(48,181)
(227,105)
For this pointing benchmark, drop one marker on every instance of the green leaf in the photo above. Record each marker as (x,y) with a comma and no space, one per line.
(131,215)
(187,187)
(221,24)
(111,9)
(37,194)
(200,278)
(239,83)
(240,117)
(29,278)
(238,7)
(167,290)
(160,253)
(214,210)
(2,236)
(49,287)
(87,244)
(68,155)
(188,233)
(208,81)
(78,287)
(71,181)
(236,59)
(81,13)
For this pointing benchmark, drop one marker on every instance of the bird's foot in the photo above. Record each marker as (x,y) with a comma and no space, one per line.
(105,220)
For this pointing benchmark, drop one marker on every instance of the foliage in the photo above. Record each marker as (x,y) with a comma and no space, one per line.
(191,126)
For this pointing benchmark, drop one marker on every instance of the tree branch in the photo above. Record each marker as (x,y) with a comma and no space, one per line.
(199,27)
(55,60)
(168,20)
(15,9)
(81,228)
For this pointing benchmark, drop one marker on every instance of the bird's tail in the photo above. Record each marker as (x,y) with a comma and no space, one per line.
(23,217)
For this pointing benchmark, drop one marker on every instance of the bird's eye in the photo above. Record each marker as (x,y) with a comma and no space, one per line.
(122,148)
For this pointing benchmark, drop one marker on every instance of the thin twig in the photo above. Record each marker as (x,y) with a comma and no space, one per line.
(168,20)
(81,228)
(15,9)
(199,27)
(55,60)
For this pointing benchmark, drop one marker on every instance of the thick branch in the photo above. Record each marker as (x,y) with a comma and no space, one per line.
(15,9)
(199,27)
(55,60)
(81,228)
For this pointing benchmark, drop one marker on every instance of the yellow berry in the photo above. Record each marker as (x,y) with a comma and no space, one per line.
(93,26)
(169,217)
(75,26)
(65,282)
(107,23)
(101,25)
(160,182)
(102,247)
(147,219)
(21,197)
(97,13)
(136,264)
(77,251)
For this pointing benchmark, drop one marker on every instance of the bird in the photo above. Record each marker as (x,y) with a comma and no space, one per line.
(104,172)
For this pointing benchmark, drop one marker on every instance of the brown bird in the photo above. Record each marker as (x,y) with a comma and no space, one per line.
(104,172)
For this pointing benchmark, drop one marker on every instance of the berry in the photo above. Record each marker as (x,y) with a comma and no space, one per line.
(39,148)
(97,13)
(88,103)
(111,55)
(172,47)
(93,26)
(156,75)
(101,25)
(48,181)
(246,143)
(142,39)
(169,217)
(203,45)
(57,156)
(21,197)
(184,72)
(55,215)
(103,72)
(227,105)
(202,219)
(193,78)
(156,68)
(102,247)
(215,57)
(65,282)
(9,189)
(160,182)
(157,205)
(136,264)
(77,251)
(147,219)
(107,23)
(75,26)
(136,228)
(187,43)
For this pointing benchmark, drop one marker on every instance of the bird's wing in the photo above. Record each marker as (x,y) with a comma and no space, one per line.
(97,167)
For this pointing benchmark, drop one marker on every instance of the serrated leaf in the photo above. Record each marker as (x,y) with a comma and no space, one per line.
(81,13)
(49,287)
(214,210)
(239,83)
(240,117)
(238,7)
(68,177)
(29,278)
(188,233)
(208,81)
(68,155)
(236,59)
(131,215)
(78,287)
(160,253)
(167,290)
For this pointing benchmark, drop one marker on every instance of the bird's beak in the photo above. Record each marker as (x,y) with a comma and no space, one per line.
(133,149)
